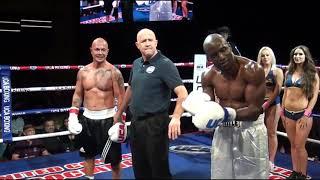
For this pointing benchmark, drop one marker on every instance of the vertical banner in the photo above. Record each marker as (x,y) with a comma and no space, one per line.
(6,112)
(200,62)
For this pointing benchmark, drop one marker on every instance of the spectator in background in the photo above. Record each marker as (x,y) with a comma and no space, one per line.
(67,140)
(17,126)
(18,122)
(92,2)
(225,32)
(28,148)
(54,145)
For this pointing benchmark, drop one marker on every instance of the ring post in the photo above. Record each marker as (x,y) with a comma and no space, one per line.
(6,111)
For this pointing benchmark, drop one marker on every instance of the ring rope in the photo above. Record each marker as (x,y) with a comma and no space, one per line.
(34,68)
(61,133)
(308,139)
(62,88)
(49,110)
(40,89)
(286,66)
(90,7)
(75,67)
(64,109)
(38,136)
(40,111)
(66,88)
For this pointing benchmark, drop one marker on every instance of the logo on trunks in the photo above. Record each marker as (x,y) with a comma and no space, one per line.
(190,149)
(150,69)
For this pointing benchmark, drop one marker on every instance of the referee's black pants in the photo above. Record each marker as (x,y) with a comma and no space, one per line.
(150,146)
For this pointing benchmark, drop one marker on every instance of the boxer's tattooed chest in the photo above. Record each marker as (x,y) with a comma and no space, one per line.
(103,78)
(100,78)
(102,75)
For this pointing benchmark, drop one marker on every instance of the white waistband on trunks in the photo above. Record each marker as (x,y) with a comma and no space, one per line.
(102,114)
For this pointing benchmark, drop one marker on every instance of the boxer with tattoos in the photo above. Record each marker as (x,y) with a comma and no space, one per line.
(97,86)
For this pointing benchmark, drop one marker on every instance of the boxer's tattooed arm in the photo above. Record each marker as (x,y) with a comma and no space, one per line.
(76,102)
(118,87)
(120,79)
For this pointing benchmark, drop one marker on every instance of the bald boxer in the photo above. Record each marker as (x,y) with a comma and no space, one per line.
(97,86)
(152,79)
(237,85)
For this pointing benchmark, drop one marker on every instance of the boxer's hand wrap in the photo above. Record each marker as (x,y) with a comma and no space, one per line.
(194,101)
(307,113)
(118,132)
(73,123)
(211,115)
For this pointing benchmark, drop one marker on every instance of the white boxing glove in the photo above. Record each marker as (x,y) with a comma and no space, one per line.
(211,115)
(73,123)
(194,101)
(118,132)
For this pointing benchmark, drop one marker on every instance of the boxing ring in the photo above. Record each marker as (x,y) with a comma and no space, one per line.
(189,154)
